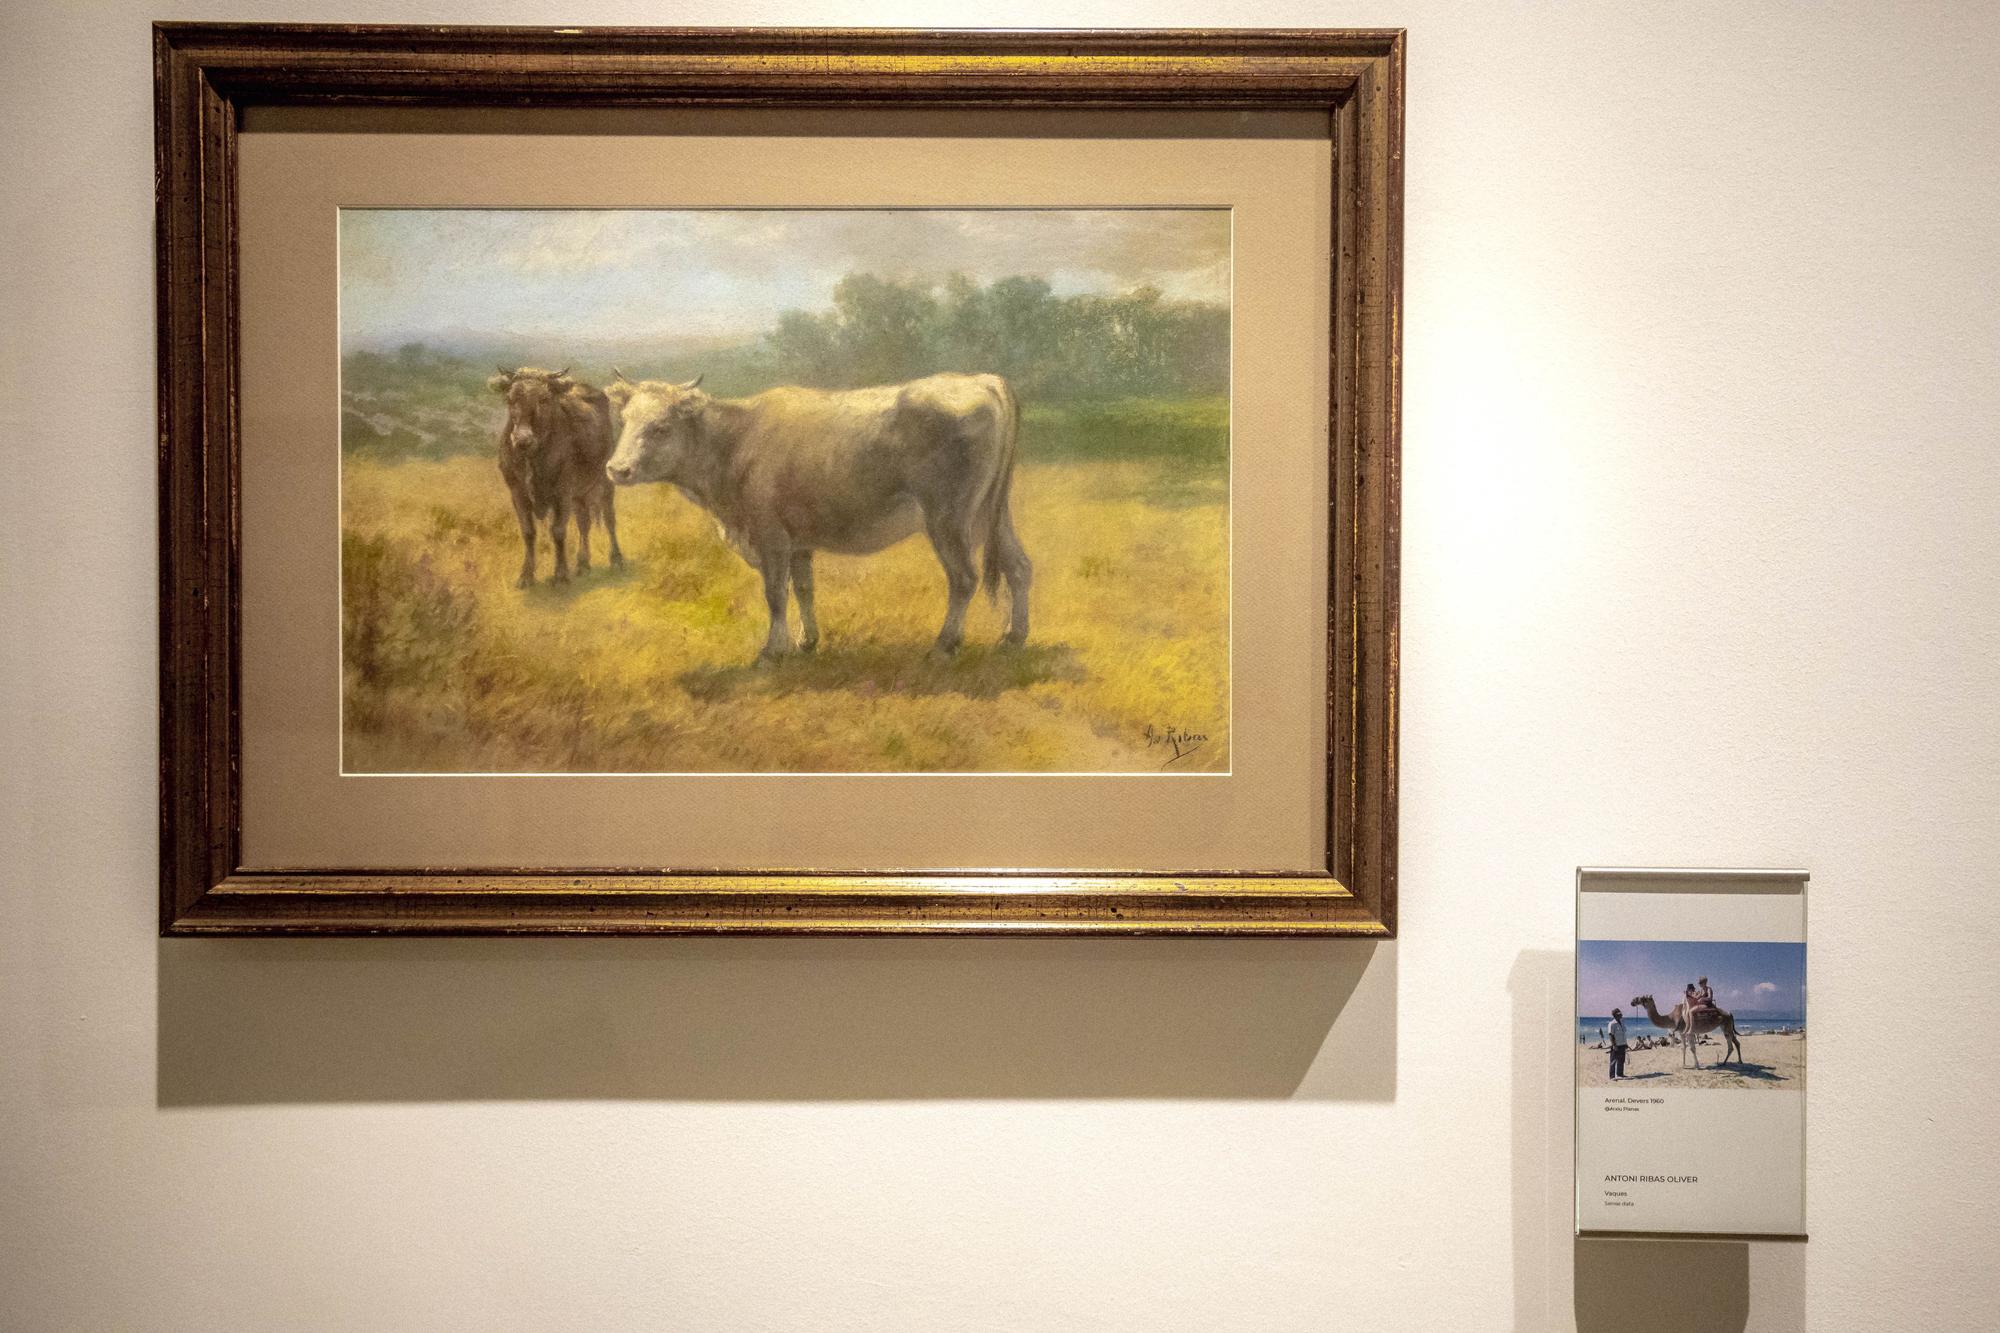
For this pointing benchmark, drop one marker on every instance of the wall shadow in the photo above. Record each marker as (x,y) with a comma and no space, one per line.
(307,1020)
(1631,1286)
(1541,984)
(1662,1286)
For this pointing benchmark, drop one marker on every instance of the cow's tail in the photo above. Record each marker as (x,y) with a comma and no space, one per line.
(998,518)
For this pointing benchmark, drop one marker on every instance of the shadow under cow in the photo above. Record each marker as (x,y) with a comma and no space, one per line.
(983,671)
(547,592)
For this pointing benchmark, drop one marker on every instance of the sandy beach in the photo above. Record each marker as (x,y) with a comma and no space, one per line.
(1769,1061)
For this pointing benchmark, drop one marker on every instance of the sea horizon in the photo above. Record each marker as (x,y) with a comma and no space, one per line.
(1590,1026)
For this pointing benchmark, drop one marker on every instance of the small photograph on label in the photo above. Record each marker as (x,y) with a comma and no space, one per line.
(1691,1014)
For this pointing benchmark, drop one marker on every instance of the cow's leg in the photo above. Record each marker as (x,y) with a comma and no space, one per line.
(524,514)
(802,588)
(584,507)
(774,562)
(559,535)
(954,552)
(1019,572)
(607,506)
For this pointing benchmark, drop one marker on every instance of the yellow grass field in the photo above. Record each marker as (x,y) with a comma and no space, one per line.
(447,667)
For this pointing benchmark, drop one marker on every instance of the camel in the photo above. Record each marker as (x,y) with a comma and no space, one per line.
(1686,1032)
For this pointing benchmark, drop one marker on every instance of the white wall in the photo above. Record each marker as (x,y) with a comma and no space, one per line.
(1702,565)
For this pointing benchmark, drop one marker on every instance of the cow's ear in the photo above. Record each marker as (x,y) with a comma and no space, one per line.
(499,383)
(619,392)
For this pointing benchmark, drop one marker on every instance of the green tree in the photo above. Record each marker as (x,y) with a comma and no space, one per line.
(881,331)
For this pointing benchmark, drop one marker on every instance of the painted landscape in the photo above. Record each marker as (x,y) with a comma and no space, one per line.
(1107,332)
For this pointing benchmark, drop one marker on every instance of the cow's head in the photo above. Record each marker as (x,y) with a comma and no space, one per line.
(659,424)
(531,396)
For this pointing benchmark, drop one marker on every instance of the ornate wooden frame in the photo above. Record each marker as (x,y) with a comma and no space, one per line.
(206,75)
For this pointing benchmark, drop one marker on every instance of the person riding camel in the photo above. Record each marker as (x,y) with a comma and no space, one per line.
(1700,996)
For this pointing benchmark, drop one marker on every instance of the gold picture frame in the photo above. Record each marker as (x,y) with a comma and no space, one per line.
(209,77)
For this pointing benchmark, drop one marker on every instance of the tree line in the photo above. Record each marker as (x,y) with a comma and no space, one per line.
(881,331)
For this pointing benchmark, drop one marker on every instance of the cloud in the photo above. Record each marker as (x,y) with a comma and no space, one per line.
(1765,988)
(715,271)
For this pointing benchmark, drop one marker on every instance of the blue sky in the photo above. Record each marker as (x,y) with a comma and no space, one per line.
(729,273)
(1745,975)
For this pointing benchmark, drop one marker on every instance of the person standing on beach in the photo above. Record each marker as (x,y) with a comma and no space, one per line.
(1617,1044)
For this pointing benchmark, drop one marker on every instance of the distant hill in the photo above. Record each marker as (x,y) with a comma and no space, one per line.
(513,349)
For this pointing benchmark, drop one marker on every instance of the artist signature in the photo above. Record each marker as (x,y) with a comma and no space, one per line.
(1181,743)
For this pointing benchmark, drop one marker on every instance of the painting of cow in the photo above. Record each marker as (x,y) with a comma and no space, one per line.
(552,451)
(791,471)
(820,434)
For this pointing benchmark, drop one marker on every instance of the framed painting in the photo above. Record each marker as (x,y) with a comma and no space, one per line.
(756,481)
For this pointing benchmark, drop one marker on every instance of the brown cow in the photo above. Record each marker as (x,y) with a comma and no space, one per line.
(791,471)
(552,454)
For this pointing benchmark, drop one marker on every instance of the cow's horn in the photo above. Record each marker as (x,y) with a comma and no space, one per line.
(560,373)
(616,373)
(694,383)
(506,373)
